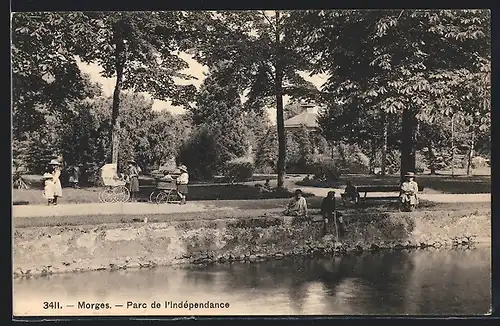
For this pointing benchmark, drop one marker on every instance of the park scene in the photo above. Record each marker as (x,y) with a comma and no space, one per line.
(282,139)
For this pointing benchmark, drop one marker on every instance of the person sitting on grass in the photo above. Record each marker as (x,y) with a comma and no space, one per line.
(351,193)
(266,187)
(297,205)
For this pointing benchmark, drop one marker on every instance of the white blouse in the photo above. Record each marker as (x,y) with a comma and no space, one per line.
(183,179)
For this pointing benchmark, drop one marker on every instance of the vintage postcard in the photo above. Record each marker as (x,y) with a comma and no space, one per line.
(259,162)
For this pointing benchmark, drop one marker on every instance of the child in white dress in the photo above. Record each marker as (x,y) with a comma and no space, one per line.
(48,189)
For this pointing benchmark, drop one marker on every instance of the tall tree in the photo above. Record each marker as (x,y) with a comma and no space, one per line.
(219,111)
(45,74)
(139,49)
(260,47)
(400,60)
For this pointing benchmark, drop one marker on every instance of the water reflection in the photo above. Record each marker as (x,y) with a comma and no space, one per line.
(420,282)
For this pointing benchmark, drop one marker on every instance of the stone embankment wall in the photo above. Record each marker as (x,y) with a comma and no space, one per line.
(47,250)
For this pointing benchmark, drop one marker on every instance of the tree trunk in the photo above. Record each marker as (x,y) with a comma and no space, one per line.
(115,126)
(373,155)
(409,123)
(432,159)
(341,153)
(383,164)
(471,152)
(452,145)
(280,122)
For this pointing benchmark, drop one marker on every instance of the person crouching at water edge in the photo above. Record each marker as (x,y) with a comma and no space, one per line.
(48,189)
(56,173)
(182,183)
(297,205)
(133,179)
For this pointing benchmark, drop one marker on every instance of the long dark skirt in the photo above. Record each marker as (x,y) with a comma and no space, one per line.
(183,189)
(134,184)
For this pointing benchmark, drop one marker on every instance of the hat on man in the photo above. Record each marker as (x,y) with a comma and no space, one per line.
(47,176)
(410,174)
(183,168)
(132,161)
(54,162)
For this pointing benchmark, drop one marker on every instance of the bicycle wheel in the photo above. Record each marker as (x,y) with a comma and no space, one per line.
(162,197)
(173,196)
(121,194)
(153,195)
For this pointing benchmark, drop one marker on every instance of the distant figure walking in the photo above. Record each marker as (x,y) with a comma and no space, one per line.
(74,176)
(297,205)
(133,179)
(48,189)
(56,174)
(182,183)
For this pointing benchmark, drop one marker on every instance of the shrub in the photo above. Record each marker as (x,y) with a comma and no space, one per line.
(479,162)
(420,163)
(239,170)
(326,171)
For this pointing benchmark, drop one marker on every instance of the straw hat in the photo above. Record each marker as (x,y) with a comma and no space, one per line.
(47,176)
(183,168)
(54,162)
(410,174)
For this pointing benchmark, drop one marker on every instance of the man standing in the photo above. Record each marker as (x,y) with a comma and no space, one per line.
(329,213)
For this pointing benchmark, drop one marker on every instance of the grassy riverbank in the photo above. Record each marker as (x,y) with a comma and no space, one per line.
(235,237)
(243,209)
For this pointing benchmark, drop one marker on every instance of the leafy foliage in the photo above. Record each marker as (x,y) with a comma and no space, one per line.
(266,154)
(239,170)
(260,52)
(219,112)
(45,75)
(395,60)
(326,171)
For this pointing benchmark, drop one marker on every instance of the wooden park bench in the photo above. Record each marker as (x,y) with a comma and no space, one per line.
(382,188)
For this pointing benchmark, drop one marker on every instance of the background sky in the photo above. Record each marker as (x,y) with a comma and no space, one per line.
(195,69)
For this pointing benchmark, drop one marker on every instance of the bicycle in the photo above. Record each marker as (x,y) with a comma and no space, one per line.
(165,192)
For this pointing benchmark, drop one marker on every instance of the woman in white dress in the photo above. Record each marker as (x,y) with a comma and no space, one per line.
(56,173)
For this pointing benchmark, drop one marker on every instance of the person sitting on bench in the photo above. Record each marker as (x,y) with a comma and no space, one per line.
(297,205)
(351,193)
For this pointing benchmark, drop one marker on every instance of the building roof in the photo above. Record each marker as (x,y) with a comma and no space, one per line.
(308,118)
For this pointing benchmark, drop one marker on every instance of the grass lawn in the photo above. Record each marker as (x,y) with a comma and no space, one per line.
(196,193)
(445,183)
(247,209)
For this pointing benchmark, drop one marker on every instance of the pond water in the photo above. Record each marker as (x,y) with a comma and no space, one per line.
(434,282)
